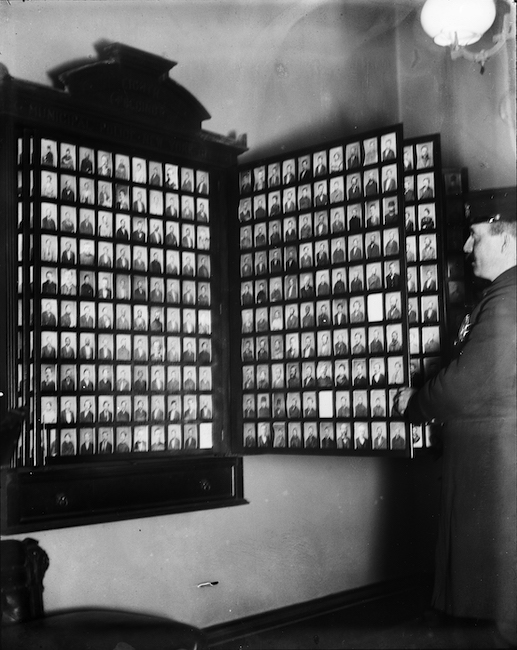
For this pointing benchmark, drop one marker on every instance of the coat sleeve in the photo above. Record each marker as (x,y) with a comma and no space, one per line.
(481,381)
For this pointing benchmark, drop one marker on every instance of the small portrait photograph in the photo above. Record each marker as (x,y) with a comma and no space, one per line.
(139,230)
(293,403)
(49,248)
(245,182)
(373,219)
(354,217)
(392,275)
(156,261)
(155,202)
(264,435)
(87,378)
(304,168)
(288,171)
(123,289)
(370,151)
(319,163)
(247,321)
(409,220)
(304,197)
(414,340)
(203,238)
(412,279)
(289,200)
(157,408)
(276,319)
(157,349)
(204,268)
(360,404)
(122,167)
(388,146)
(171,234)
(277,376)
(48,379)
(262,377)
(139,170)
(431,340)
(249,435)
(105,224)
(248,378)
(342,372)
(395,371)
(245,210)
(390,212)
(173,291)
(376,343)
(263,405)
(353,155)
(139,203)
(48,153)
(49,185)
(411,249)
(324,377)
(139,288)
(357,310)
(275,233)
(123,443)
(378,403)
(310,405)
(453,183)
(68,188)
(123,346)
(86,410)
(105,195)
(68,218)
(171,177)
(337,225)
(374,277)
(105,347)
(248,407)
(205,408)
(172,261)
(373,249)
(342,404)
(259,179)
(424,155)
(427,244)
(393,306)
(359,373)
(104,285)
(320,193)
(426,189)
(358,341)
(277,346)
(273,175)
(68,378)
(417,438)
(189,351)
(389,178)
(105,253)
(354,187)
(340,312)
(408,160)
(123,380)
(261,264)
(305,227)
(141,438)
(105,403)
(279,435)
(377,372)
(141,378)
(188,234)
(122,257)
(202,182)
(397,435)
(409,189)
(355,248)
(308,368)
(141,408)
(105,444)
(294,435)
(292,346)
(336,158)
(341,343)
(172,207)
(68,440)
(394,339)
(322,254)
(355,278)
(123,409)
(339,281)
(343,438)
(86,160)
(379,436)
(155,174)
(68,282)
(140,349)
(428,278)
(275,261)
(361,436)
(260,235)
(324,317)
(104,163)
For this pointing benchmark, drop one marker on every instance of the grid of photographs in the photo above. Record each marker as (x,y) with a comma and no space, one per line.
(120,332)
(422,221)
(323,301)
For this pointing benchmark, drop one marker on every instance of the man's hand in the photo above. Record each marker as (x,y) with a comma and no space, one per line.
(402,398)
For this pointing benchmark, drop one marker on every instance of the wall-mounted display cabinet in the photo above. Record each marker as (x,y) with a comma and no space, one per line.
(166,311)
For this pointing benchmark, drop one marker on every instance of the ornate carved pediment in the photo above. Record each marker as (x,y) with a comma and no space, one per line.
(131,80)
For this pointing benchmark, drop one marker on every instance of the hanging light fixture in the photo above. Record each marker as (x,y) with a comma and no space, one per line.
(459,23)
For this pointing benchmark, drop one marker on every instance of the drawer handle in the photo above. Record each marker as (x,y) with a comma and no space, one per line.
(62,500)
(205,484)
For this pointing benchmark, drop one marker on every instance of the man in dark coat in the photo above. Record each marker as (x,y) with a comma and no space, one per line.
(475,396)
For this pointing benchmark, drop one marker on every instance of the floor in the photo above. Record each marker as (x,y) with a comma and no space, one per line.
(395,623)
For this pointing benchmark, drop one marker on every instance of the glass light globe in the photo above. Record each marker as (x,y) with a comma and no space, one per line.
(461,22)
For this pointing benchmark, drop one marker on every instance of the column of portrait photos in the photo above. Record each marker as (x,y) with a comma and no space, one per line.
(422,223)
(117,328)
(323,343)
